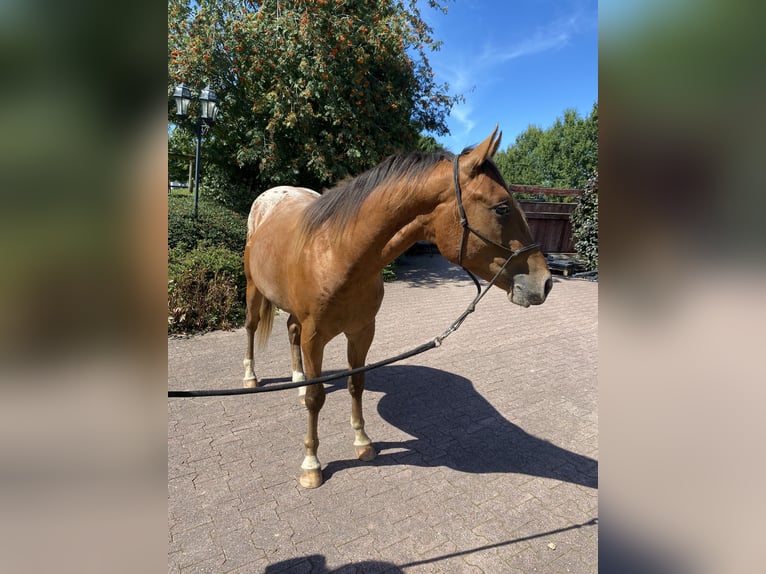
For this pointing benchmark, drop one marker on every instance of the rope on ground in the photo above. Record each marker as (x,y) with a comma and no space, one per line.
(435,342)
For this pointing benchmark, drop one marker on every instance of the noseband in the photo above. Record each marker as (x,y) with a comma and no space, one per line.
(468,229)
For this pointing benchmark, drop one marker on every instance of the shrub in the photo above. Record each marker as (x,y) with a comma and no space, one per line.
(215,225)
(230,193)
(206,289)
(389,272)
(585,224)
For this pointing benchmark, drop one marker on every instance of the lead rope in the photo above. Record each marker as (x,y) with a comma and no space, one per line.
(433,343)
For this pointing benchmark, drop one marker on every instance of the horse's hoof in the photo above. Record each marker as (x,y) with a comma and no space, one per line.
(366,452)
(311,478)
(250,383)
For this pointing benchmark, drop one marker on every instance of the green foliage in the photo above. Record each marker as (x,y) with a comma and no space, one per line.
(585,224)
(206,289)
(215,225)
(545,197)
(180,141)
(562,156)
(389,272)
(236,194)
(206,278)
(310,92)
(427,144)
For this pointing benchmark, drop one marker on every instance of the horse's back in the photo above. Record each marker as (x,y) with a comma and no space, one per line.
(275,199)
(270,254)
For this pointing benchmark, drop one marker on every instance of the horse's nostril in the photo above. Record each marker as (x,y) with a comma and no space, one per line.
(548,286)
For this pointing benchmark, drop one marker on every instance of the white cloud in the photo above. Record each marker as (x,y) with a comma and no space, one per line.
(462,113)
(463,77)
(550,37)
(466,74)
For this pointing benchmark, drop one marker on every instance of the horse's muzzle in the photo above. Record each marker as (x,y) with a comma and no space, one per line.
(527,291)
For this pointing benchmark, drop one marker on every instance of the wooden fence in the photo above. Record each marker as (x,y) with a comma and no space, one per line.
(549,222)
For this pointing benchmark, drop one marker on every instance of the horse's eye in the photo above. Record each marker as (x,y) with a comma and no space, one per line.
(502,209)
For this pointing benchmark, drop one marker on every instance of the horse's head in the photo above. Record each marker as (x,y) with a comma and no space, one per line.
(490,227)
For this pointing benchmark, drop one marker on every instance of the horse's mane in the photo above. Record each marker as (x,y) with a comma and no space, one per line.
(490,169)
(339,205)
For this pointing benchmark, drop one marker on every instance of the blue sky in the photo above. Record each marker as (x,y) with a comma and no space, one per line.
(517,62)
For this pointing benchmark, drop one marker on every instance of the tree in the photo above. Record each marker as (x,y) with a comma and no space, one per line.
(564,155)
(310,92)
(427,144)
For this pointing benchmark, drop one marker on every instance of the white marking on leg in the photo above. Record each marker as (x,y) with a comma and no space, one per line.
(249,373)
(311,463)
(360,437)
(297,378)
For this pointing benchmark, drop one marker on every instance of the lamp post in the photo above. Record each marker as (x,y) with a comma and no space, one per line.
(207,115)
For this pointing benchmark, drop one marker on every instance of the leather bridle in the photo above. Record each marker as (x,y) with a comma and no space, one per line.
(468,229)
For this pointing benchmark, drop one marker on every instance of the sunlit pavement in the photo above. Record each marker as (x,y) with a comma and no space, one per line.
(487,446)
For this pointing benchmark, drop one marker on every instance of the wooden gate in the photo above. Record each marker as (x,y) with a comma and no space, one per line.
(550,223)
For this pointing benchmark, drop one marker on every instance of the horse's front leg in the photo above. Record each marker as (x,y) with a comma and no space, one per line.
(358,345)
(311,469)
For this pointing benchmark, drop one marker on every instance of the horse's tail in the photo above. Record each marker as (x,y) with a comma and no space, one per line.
(266,322)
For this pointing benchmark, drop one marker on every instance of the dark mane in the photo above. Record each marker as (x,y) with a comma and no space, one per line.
(340,204)
(491,169)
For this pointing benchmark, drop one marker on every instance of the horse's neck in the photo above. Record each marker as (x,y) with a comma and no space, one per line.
(402,240)
(393,222)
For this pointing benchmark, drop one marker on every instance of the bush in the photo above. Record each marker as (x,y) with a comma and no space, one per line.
(215,225)
(585,224)
(389,272)
(206,289)
(234,194)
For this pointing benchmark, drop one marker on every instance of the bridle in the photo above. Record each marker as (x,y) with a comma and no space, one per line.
(468,229)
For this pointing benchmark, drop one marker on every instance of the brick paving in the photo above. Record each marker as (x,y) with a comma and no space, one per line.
(488,445)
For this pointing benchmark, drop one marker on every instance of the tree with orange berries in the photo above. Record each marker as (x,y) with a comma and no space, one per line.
(310,91)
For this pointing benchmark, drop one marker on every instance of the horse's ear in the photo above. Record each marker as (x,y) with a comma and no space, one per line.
(481,153)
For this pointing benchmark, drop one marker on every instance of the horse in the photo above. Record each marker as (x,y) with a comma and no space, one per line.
(319,258)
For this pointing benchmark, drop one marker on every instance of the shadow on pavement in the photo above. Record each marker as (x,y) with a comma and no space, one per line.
(317,564)
(433,270)
(454,426)
(428,271)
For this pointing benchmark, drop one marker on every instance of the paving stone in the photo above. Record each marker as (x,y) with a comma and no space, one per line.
(487,445)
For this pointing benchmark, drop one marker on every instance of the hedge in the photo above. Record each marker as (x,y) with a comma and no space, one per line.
(215,225)
(585,225)
(206,289)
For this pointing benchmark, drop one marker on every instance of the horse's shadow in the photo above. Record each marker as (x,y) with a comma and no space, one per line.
(454,426)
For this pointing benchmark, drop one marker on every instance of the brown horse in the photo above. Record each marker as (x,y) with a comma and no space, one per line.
(320,259)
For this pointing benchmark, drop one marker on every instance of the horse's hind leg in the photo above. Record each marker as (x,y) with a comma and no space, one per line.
(294,334)
(252,318)
(358,345)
